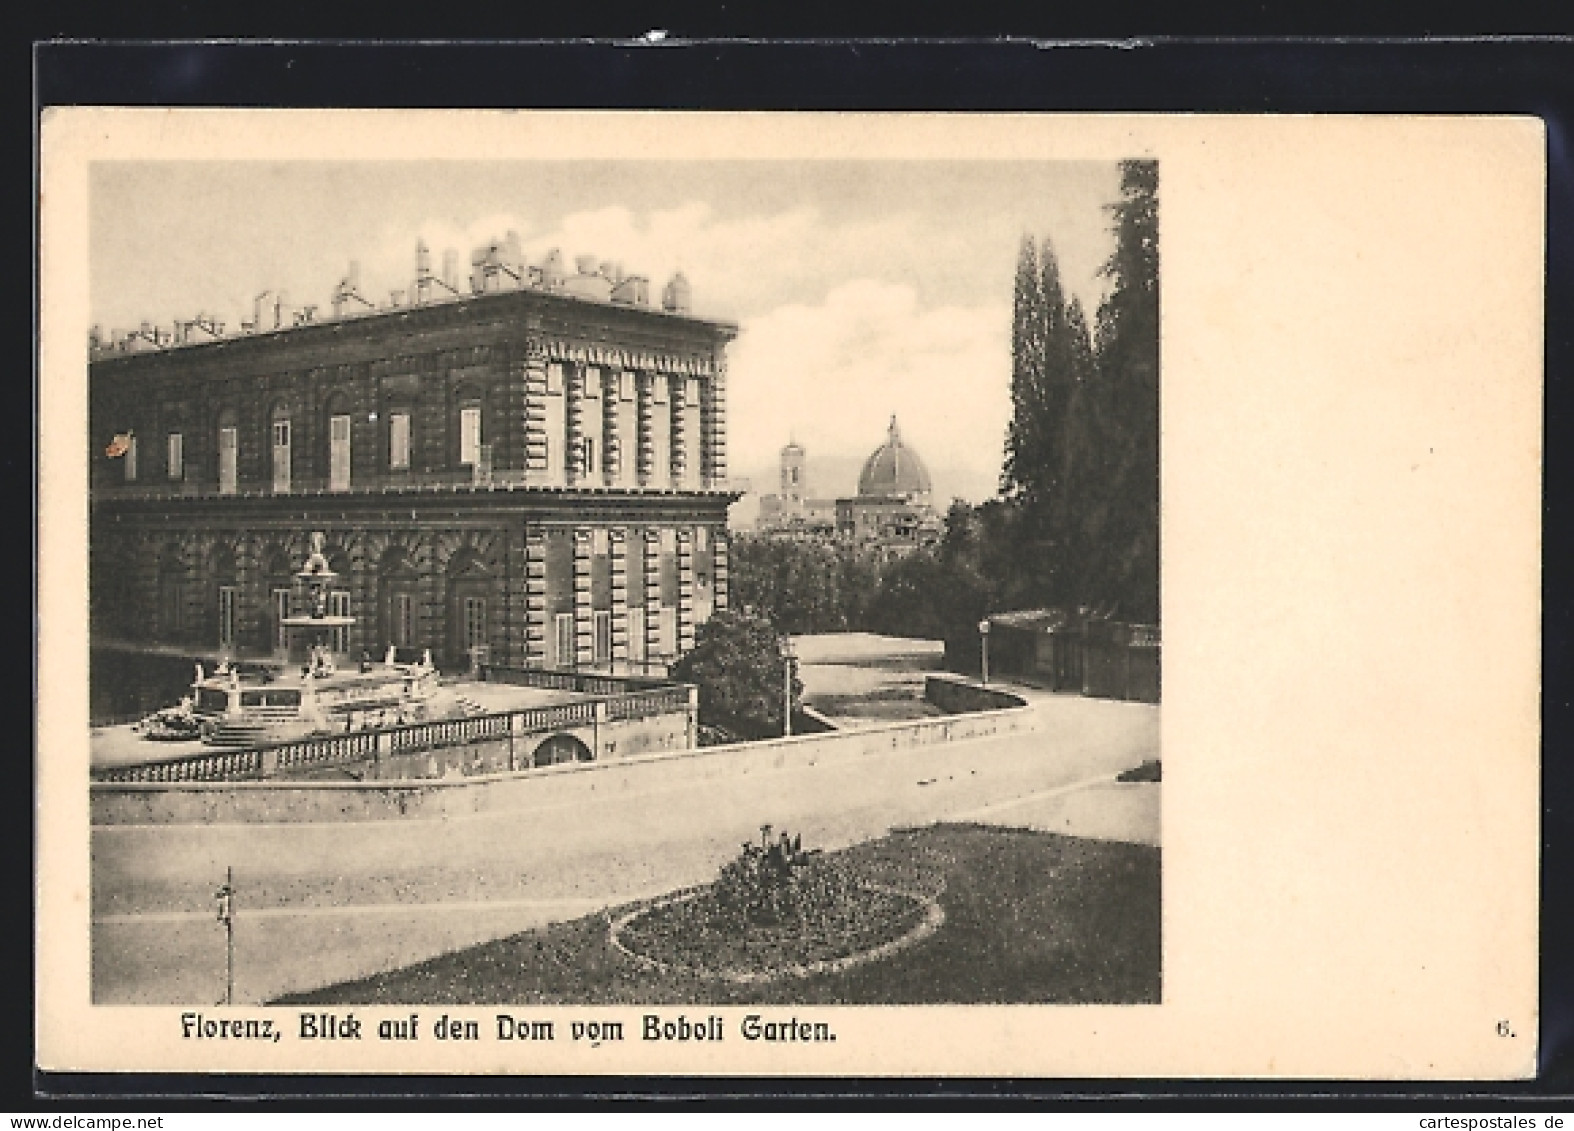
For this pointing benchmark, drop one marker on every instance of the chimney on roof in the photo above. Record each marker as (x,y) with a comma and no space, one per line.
(422,293)
(675,296)
(633,290)
(552,270)
(451,270)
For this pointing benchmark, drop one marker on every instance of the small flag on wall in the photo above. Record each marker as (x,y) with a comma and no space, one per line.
(119,446)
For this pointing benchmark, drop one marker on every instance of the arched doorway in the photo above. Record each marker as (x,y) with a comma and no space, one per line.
(171,614)
(472,607)
(278,583)
(225,594)
(398,592)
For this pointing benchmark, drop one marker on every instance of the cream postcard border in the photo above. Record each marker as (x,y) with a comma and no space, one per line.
(1352,388)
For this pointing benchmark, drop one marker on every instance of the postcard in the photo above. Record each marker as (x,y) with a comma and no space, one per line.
(646,593)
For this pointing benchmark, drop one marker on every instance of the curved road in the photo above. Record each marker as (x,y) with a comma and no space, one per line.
(319,903)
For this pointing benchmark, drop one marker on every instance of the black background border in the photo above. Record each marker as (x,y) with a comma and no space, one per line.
(1155,74)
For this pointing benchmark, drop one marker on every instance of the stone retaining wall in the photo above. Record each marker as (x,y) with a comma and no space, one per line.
(958,695)
(116,803)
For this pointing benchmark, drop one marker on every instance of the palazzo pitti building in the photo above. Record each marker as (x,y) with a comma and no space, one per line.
(526,468)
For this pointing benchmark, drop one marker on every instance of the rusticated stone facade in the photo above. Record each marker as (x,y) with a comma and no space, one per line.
(527,472)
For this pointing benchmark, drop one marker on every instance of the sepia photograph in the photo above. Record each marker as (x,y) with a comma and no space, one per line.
(638,582)
(884,595)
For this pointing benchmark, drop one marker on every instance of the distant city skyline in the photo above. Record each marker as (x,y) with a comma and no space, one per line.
(861,289)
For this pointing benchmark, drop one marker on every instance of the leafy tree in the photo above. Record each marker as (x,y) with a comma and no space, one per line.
(740,671)
(804,586)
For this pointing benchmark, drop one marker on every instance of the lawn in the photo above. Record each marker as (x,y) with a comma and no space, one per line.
(1030,917)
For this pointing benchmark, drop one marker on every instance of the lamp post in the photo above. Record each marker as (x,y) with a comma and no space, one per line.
(787,659)
(983,639)
(226,899)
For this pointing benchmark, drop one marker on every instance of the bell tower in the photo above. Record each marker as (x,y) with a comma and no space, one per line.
(793,487)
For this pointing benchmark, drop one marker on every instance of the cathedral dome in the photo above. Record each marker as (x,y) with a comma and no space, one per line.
(894,471)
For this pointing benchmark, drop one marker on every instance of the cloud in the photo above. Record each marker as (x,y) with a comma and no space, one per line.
(832,373)
(736,267)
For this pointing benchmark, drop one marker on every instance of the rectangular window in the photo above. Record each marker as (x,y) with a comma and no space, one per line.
(603,637)
(669,632)
(403,620)
(229,446)
(130,459)
(399,441)
(636,617)
(172,602)
(227,596)
(339,606)
(563,638)
(598,541)
(176,461)
(339,453)
(592,383)
(590,455)
(475,623)
(469,435)
(281,609)
(555,379)
(626,385)
(691,393)
(281,456)
(669,540)
(701,538)
(658,388)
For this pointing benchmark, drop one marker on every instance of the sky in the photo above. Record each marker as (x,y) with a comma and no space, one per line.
(861,289)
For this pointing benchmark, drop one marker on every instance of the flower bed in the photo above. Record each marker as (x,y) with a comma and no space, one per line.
(774,912)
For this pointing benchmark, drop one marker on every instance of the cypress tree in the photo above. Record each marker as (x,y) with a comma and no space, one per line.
(1128,372)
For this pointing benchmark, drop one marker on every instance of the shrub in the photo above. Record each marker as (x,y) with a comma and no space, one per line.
(777,883)
(738,666)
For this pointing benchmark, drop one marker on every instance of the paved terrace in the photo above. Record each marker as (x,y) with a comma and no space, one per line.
(361,897)
(121,745)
